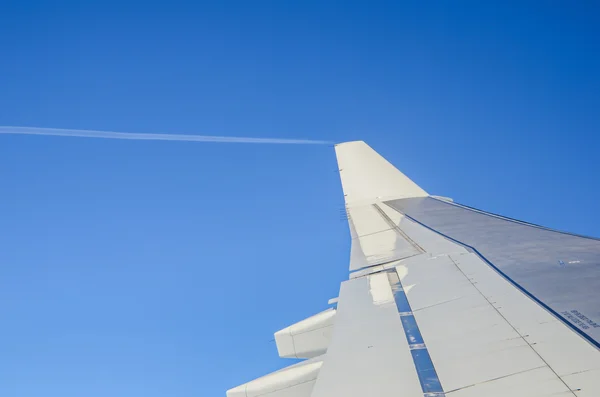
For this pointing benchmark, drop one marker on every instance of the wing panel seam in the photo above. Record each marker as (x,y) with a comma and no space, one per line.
(395,227)
(511,325)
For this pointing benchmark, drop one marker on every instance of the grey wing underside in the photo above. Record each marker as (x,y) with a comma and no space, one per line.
(444,300)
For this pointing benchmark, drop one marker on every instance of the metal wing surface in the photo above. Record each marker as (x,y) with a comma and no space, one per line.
(444,300)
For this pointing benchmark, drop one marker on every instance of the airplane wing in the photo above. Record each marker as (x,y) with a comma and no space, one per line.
(444,300)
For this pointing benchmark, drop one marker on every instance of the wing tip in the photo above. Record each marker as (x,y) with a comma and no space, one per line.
(350,142)
(367,176)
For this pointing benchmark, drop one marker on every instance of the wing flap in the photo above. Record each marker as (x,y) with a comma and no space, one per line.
(366,357)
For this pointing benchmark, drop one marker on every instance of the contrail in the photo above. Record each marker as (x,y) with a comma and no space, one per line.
(153,137)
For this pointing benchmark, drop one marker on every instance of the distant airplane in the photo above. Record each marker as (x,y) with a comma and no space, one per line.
(444,300)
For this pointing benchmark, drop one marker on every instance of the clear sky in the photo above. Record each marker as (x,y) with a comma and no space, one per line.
(146,269)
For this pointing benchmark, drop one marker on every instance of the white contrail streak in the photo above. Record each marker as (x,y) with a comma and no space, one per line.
(153,137)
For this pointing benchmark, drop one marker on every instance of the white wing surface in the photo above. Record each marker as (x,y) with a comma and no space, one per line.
(445,300)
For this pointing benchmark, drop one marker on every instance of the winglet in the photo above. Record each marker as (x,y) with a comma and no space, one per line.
(367,177)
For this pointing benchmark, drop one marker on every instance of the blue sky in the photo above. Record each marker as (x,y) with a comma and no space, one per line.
(163,268)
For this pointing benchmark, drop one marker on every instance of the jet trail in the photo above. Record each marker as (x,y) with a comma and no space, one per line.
(153,137)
